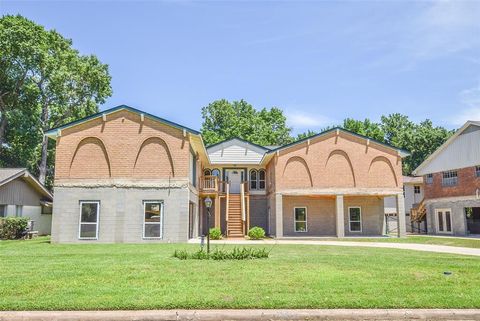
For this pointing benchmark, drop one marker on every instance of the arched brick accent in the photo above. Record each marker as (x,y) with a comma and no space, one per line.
(153,160)
(90,160)
(339,170)
(296,173)
(381,173)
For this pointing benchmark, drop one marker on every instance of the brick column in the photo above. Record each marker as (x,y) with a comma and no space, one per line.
(340,216)
(401,215)
(278,215)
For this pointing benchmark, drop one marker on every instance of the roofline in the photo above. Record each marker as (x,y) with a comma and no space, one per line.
(25,172)
(240,139)
(404,152)
(54,131)
(444,145)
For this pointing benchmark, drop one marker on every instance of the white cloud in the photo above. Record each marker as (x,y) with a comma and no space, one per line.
(303,120)
(470,98)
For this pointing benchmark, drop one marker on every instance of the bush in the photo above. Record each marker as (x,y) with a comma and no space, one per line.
(220,254)
(256,233)
(12,227)
(215,233)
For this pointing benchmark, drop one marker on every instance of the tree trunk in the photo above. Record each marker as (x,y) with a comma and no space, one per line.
(43,161)
(3,128)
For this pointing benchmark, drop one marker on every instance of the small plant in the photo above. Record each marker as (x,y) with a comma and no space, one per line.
(245,253)
(215,233)
(256,233)
(12,227)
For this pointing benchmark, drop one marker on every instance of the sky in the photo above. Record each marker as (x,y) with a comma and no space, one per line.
(319,61)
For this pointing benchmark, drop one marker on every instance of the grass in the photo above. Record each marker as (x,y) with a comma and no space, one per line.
(37,275)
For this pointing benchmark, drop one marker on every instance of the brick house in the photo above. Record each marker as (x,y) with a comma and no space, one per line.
(124,175)
(452,184)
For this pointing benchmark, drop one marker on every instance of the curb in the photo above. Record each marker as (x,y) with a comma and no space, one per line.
(244,315)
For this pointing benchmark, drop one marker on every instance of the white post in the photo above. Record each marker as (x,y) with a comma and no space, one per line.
(279,215)
(401,215)
(340,216)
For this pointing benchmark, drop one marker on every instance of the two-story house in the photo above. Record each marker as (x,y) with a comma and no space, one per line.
(124,175)
(452,184)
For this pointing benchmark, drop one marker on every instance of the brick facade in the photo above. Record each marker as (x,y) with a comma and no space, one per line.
(467,185)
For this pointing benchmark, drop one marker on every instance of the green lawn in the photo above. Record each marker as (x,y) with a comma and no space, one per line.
(450,241)
(37,275)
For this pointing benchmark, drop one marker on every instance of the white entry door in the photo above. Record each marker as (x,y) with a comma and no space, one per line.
(234,178)
(444,220)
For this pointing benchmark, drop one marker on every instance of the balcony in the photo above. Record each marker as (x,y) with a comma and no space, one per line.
(211,185)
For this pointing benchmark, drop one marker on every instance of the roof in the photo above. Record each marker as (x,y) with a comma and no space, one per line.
(54,131)
(412,180)
(9,174)
(402,152)
(445,145)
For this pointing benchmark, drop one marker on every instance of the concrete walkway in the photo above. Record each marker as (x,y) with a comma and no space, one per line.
(244,315)
(401,246)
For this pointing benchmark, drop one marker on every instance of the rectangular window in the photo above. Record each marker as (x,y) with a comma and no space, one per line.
(3,210)
(355,219)
(477,170)
(416,189)
(47,209)
(300,219)
(429,178)
(18,210)
(449,178)
(152,219)
(261,179)
(89,217)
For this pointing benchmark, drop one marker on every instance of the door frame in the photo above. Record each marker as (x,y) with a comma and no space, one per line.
(243,169)
(444,218)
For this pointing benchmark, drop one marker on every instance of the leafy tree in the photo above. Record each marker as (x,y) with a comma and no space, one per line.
(224,120)
(365,127)
(306,134)
(47,84)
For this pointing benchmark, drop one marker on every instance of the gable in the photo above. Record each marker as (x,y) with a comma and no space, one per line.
(19,192)
(463,150)
(235,151)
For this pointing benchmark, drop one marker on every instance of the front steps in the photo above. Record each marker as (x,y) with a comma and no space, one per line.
(235,223)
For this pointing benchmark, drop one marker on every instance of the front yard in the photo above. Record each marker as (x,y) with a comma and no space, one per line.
(37,275)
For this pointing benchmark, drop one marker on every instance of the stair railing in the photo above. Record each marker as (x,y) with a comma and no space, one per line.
(227,187)
(242,200)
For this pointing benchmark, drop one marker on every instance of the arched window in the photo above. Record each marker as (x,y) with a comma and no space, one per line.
(216,172)
(261,179)
(253,179)
(207,172)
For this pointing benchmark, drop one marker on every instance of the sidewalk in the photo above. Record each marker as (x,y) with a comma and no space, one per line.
(244,315)
(401,246)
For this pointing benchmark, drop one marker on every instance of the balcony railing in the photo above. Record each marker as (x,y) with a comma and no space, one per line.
(211,184)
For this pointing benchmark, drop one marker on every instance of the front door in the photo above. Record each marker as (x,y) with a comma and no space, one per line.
(444,220)
(473,220)
(234,178)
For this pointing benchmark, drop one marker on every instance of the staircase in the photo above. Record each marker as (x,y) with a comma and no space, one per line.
(235,223)
(418,212)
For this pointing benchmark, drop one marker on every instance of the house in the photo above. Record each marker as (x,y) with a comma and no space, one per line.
(452,185)
(124,175)
(413,193)
(22,195)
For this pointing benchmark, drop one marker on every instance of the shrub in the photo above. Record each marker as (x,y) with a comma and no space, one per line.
(221,254)
(12,227)
(256,233)
(215,233)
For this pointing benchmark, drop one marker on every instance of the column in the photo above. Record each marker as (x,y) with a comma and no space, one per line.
(340,216)
(401,215)
(278,215)
(217,211)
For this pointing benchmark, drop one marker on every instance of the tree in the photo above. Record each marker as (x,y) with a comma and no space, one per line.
(47,79)
(224,120)
(365,128)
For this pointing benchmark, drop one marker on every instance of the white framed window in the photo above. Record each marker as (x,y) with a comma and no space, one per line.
(207,172)
(477,170)
(300,219)
(449,178)
(89,217)
(152,219)
(429,178)
(416,189)
(443,217)
(261,179)
(355,219)
(216,172)
(18,210)
(253,179)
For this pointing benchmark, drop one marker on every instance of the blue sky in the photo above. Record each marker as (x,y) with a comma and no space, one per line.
(318,61)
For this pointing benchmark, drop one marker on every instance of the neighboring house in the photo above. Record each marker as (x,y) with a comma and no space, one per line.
(124,175)
(22,195)
(413,193)
(452,184)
